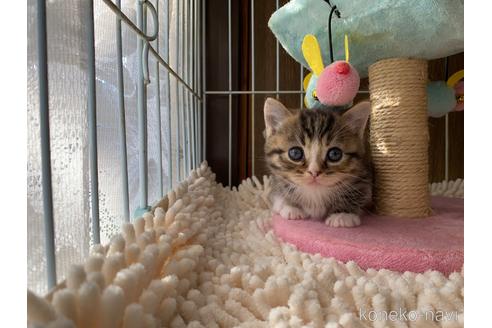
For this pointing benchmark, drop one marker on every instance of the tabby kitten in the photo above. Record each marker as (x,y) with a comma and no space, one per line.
(318,163)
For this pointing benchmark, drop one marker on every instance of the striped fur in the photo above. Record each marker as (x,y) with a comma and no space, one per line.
(340,187)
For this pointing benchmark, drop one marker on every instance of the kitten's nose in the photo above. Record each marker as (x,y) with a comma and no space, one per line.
(313,173)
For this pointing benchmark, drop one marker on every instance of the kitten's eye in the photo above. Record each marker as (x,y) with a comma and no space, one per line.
(296,154)
(315,97)
(334,154)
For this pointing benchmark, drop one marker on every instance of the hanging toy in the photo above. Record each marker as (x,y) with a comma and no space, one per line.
(334,86)
(444,97)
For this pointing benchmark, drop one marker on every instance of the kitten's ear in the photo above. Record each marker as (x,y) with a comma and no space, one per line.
(275,112)
(357,116)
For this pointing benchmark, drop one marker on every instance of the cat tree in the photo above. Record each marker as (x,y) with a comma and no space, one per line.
(390,45)
(399,137)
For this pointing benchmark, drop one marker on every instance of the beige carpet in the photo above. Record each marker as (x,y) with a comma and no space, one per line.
(207,258)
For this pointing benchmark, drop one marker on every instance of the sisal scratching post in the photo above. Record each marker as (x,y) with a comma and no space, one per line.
(399,137)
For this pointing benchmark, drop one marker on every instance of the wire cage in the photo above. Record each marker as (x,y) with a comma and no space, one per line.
(127,97)
(115,117)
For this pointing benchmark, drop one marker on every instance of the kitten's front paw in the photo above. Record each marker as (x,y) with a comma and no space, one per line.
(346,220)
(291,213)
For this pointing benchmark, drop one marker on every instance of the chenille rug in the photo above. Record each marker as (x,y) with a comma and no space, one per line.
(206,257)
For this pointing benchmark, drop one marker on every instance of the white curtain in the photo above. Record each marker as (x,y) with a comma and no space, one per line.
(67,62)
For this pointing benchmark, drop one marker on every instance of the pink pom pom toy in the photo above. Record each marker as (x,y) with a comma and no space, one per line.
(333,86)
(338,84)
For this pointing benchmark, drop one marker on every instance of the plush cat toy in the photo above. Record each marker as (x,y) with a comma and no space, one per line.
(333,86)
(336,85)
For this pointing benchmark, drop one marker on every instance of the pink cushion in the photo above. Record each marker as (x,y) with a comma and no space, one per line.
(380,242)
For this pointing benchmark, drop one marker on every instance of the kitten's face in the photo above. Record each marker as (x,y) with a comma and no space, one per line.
(315,148)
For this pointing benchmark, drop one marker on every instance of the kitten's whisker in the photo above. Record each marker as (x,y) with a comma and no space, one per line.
(351,188)
(369,181)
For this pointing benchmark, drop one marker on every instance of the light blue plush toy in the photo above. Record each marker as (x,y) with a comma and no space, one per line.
(378,29)
(440,99)
(444,97)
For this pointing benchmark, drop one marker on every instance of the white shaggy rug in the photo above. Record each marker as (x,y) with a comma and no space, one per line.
(207,258)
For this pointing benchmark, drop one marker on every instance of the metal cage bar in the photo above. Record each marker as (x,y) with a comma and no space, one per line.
(169,117)
(184,95)
(252,87)
(199,77)
(44,125)
(200,9)
(262,92)
(183,92)
(122,121)
(277,62)
(188,94)
(158,109)
(142,114)
(229,130)
(178,93)
(193,82)
(92,122)
(204,79)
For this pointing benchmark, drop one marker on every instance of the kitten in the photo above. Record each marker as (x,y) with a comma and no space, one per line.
(318,163)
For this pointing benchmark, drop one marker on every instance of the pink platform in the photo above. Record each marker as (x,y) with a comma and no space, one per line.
(417,245)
